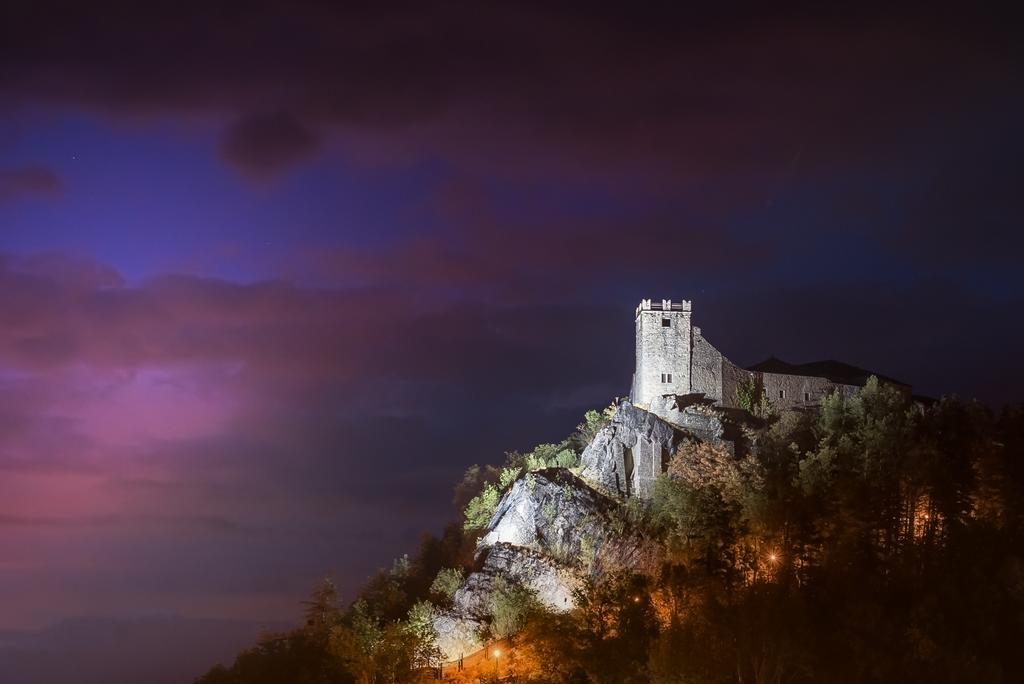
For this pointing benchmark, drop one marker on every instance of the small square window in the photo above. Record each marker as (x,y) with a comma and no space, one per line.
(666,322)
(666,377)
(782,394)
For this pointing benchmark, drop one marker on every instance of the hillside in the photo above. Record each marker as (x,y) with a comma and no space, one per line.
(871,539)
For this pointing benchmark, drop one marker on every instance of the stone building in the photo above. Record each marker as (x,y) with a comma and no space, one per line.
(676,366)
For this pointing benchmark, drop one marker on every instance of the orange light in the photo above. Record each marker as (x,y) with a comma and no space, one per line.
(773,557)
(497,653)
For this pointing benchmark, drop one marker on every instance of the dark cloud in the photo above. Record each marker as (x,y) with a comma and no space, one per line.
(29,181)
(263,144)
(676,94)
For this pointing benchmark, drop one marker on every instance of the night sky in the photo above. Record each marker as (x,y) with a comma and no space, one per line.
(271,280)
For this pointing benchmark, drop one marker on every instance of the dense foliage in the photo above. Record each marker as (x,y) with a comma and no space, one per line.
(877,539)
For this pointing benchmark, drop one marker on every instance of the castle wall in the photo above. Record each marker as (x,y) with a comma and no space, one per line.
(674,358)
(706,367)
(714,374)
(663,338)
(802,391)
(732,377)
(795,391)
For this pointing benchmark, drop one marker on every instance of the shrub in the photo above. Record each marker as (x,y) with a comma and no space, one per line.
(552,456)
(593,422)
(480,509)
(507,477)
(446,583)
(511,605)
(473,482)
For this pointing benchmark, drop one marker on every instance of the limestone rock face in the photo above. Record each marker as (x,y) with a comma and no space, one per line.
(549,533)
(629,453)
(554,513)
(552,583)
(697,418)
(457,635)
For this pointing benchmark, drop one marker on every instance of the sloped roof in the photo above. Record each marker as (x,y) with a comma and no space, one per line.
(836,371)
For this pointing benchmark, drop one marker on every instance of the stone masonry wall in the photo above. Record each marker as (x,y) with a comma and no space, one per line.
(697,367)
(800,391)
(705,367)
(732,377)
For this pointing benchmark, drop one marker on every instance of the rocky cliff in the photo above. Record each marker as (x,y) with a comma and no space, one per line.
(626,455)
(552,530)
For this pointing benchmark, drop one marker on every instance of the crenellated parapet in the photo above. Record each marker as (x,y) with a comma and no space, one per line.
(663,305)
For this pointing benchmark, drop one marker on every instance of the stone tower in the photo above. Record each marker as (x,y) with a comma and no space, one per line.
(663,343)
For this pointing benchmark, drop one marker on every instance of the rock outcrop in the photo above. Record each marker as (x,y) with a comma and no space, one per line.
(630,452)
(557,514)
(550,532)
(552,583)
(458,635)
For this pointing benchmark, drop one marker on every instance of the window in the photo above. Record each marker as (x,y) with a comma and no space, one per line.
(666,322)
(666,377)
(782,394)
(807,396)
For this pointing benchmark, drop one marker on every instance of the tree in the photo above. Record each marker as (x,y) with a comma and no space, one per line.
(705,501)
(357,643)
(446,583)
(322,610)
(423,638)
(511,606)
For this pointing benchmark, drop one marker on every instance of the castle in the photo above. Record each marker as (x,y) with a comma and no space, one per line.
(684,388)
(551,531)
(676,365)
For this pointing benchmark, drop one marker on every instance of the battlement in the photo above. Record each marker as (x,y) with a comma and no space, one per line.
(663,305)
